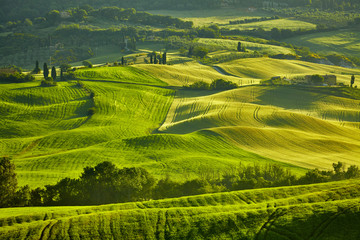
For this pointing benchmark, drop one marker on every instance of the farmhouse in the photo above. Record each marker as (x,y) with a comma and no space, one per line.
(330,80)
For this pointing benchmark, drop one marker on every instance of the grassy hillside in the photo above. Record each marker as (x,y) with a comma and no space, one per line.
(265,68)
(342,42)
(294,126)
(211,16)
(224,44)
(187,73)
(321,211)
(126,74)
(278,23)
(50,133)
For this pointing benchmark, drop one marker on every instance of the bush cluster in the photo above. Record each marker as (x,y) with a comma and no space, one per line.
(15,77)
(218,84)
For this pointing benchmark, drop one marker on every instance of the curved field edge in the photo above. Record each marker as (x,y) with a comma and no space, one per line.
(124,74)
(306,127)
(316,211)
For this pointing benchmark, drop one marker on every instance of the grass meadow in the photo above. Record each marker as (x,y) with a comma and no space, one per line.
(342,42)
(140,120)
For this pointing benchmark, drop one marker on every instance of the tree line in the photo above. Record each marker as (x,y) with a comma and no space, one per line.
(105,183)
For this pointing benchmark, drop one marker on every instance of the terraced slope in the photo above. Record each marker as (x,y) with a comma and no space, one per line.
(265,68)
(50,133)
(126,74)
(321,211)
(187,73)
(299,127)
(343,42)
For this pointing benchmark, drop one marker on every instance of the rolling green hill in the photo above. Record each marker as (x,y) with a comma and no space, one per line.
(140,121)
(320,211)
(342,42)
(299,127)
(265,68)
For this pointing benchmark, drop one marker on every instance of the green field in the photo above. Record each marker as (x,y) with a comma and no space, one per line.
(141,121)
(320,211)
(265,68)
(342,42)
(277,23)
(212,16)
(224,44)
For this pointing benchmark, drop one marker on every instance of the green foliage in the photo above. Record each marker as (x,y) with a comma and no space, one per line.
(48,82)
(53,73)
(200,85)
(199,52)
(317,79)
(8,182)
(87,64)
(45,71)
(37,69)
(15,77)
(220,84)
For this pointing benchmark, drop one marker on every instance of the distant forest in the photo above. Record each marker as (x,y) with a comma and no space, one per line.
(20,9)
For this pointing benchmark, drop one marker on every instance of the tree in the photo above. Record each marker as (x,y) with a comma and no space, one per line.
(164,58)
(122,61)
(317,79)
(220,84)
(200,52)
(53,73)
(37,69)
(8,182)
(151,59)
(53,17)
(239,47)
(352,81)
(45,71)
(191,51)
(87,63)
(155,58)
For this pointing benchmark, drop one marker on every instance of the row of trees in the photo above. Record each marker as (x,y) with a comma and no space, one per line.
(105,183)
(157,58)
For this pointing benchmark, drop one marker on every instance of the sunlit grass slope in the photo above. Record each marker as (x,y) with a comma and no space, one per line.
(127,74)
(343,42)
(299,127)
(207,17)
(320,211)
(187,73)
(50,134)
(226,44)
(278,23)
(265,68)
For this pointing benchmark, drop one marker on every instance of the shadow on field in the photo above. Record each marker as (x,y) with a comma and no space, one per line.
(288,98)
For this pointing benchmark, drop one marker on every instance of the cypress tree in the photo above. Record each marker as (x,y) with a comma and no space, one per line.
(239,47)
(155,59)
(151,59)
(352,81)
(46,71)
(191,51)
(53,73)
(61,74)
(164,58)
(37,69)
(122,61)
